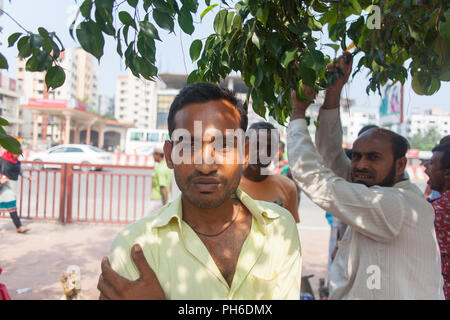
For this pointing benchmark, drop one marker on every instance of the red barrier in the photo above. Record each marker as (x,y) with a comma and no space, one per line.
(68,195)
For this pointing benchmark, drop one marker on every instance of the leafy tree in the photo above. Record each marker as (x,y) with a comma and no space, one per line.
(270,42)
(425,141)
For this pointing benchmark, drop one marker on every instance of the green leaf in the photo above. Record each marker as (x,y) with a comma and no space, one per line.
(333,45)
(185,20)
(13,38)
(193,76)
(195,49)
(255,40)
(55,77)
(288,57)
(147,4)
(91,38)
(39,62)
(444,27)
(126,19)
(3,62)
(219,21)
(119,44)
(146,68)
(3,122)
(43,32)
(133,3)
(10,144)
(208,9)
(357,8)
(149,29)
(24,47)
(308,75)
(163,20)
(315,60)
(86,8)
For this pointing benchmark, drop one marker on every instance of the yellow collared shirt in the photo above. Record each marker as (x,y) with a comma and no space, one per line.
(269,264)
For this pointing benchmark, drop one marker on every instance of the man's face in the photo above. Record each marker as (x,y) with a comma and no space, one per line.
(435,172)
(280,151)
(205,180)
(264,146)
(157,157)
(373,160)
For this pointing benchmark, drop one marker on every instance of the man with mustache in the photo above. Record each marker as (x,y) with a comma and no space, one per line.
(389,249)
(214,241)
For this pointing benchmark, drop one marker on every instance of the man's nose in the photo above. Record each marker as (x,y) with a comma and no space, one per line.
(362,164)
(205,161)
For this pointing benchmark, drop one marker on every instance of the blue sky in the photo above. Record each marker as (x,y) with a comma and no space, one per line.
(172,52)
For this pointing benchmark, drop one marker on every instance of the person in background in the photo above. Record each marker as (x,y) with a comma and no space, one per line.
(438,171)
(268,187)
(4,295)
(429,193)
(161,179)
(10,170)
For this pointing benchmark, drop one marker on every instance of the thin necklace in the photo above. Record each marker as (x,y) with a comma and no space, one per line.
(220,232)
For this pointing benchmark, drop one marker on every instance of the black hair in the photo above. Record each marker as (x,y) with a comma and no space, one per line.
(365,128)
(445,159)
(445,140)
(262,125)
(203,92)
(400,145)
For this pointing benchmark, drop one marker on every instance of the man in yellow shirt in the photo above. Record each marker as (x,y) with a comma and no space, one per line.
(161,179)
(213,241)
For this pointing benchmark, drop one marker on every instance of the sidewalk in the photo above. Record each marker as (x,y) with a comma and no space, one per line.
(38,259)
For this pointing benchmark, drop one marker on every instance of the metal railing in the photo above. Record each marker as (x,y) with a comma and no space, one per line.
(70,193)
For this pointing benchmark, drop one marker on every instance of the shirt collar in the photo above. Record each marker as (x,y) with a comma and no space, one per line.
(263,215)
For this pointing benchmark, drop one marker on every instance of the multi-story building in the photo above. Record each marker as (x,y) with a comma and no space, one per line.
(10,105)
(105,104)
(421,123)
(80,84)
(87,78)
(135,101)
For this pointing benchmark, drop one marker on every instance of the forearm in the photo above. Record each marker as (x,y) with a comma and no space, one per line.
(332,98)
(329,142)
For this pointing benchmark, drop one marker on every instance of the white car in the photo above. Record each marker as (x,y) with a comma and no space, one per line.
(73,153)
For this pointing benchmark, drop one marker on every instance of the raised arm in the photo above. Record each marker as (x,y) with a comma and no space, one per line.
(329,131)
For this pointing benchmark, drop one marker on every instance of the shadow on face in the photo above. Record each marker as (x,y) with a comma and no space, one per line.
(206,177)
(373,159)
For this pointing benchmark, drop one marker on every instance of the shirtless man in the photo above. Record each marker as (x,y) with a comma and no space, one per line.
(268,187)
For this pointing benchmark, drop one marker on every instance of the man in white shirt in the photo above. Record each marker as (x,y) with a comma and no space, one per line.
(389,249)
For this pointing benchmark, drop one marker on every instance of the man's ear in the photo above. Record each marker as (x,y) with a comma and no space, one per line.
(400,165)
(168,153)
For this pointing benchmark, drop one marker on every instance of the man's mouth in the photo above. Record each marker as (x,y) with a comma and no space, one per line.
(206,184)
(363,176)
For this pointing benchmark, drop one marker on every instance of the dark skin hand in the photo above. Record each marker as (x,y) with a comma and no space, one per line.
(112,286)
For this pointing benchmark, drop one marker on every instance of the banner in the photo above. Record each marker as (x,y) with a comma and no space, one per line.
(390,100)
